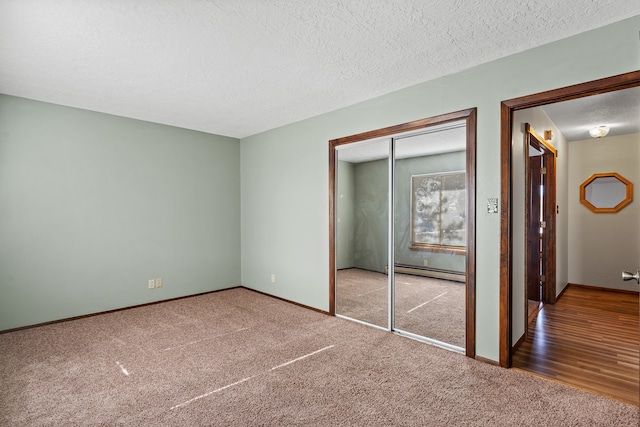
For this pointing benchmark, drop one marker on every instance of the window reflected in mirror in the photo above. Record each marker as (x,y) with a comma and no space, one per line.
(438,211)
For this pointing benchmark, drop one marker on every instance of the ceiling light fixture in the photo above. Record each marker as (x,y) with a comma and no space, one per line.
(599,131)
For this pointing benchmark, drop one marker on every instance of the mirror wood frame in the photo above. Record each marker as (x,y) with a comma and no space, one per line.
(612,209)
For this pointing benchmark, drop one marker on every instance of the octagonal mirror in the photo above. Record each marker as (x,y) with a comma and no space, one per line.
(606,192)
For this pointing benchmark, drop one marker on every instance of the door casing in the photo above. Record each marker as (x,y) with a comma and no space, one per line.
(469,116)
(507,108)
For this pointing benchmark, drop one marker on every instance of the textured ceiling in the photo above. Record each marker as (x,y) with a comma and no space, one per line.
(237,68)
(620,110)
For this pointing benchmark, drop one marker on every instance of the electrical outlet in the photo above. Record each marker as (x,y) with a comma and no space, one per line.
(273,278)
(425,262)
(159,282)
(152,283)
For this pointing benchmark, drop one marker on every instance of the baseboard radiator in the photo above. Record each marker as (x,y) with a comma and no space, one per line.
(428,272)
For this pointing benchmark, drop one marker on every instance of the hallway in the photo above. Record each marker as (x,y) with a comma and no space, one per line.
(589,340)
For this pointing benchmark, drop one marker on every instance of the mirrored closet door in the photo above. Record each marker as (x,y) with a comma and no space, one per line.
(430,234)
(402,226)
(362,223)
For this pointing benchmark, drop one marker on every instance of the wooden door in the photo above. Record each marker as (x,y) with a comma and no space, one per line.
(535,229)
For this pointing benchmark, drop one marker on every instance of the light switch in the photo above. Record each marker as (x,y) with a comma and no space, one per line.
(492,205)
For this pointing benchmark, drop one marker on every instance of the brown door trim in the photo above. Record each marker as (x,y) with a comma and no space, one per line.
(469,116)
(609,84)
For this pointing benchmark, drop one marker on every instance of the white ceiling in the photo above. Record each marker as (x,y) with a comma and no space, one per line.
(620,110)
(433,140)
(237,68)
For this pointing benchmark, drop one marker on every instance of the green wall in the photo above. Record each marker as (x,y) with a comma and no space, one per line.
(92,206)
(345,216)
(285,195)
(369,229)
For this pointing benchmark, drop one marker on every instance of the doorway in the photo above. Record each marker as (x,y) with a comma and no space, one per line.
(508,237)
(395,260)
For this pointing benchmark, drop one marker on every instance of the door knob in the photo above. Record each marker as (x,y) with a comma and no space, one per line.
(630,276)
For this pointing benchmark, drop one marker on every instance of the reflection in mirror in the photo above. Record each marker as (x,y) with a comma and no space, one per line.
(362,222)
(430,235)
(389,268)
(438,211)
(606,192)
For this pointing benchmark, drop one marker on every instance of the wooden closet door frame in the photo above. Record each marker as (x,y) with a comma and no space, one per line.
(469,116)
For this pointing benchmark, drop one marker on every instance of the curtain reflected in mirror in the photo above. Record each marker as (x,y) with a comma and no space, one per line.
(362,223)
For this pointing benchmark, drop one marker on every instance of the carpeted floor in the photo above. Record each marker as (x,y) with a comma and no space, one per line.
(239,358)
(432,308)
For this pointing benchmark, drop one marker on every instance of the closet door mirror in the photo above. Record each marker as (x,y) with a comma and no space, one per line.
(402,229)
(361,224)
(430,233)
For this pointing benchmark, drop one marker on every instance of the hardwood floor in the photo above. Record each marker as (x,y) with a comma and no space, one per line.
(589,339)
(533,307)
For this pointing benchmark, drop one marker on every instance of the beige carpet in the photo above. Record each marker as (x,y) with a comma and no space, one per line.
(432,308)
(239,358)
